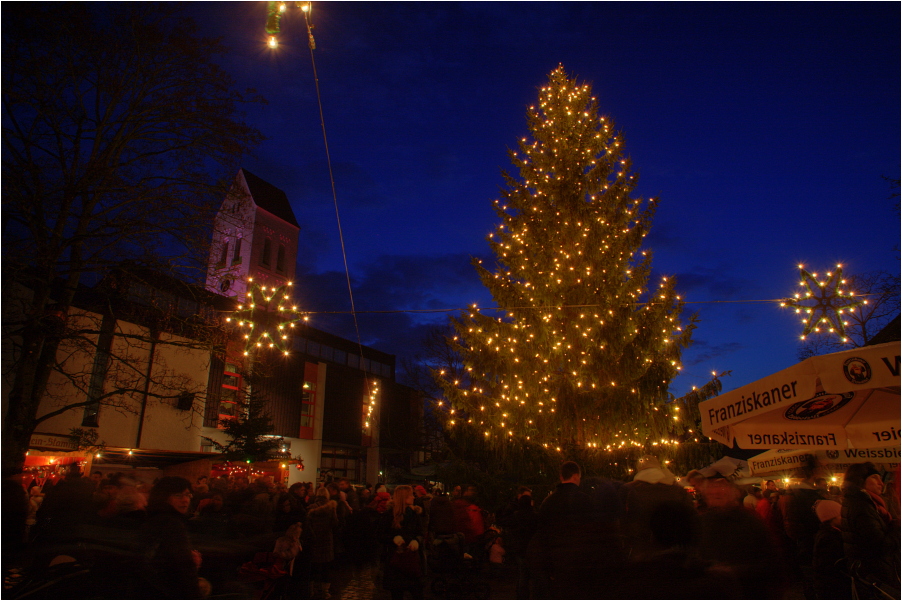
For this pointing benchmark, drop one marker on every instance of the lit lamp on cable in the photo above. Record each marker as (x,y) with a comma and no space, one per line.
(274,12)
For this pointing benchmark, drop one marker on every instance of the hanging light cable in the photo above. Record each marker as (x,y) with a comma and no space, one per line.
(308,9)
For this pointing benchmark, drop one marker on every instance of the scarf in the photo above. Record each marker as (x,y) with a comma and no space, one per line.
(881,506)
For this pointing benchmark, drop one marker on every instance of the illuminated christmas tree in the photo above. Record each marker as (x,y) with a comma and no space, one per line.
(586,348)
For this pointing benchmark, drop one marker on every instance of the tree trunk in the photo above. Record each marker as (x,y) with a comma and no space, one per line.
(19,422)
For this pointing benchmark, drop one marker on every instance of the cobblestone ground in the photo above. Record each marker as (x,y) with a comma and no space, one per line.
(359,584)
(353,583)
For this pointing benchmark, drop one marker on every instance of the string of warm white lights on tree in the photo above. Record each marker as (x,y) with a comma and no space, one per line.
(823,302)
(570,234)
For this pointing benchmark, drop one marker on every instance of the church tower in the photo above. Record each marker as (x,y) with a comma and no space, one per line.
(255,236)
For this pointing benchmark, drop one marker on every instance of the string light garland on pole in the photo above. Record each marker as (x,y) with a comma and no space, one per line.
(266,318)
(274,13)
(823,302)
(275,10)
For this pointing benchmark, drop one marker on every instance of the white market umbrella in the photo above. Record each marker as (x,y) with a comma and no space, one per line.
(839,401)
(785,460)
(729,467)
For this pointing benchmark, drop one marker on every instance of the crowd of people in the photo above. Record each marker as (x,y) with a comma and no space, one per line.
(655,536)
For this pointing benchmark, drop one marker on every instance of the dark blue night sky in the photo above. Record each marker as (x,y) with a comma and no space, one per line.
(765,129)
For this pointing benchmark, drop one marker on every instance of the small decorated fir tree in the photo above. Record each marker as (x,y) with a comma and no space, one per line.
(587,347)
(248,433)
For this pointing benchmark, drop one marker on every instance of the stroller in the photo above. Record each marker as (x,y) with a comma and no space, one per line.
(869,587)
(263,570)
(456,574)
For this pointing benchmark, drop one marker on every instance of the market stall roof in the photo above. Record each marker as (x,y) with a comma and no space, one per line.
(843,400)
(149,457)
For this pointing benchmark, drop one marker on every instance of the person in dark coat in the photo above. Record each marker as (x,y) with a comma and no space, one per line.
(573,550)
(351,497)
(287,513)
(513,504)
(651,487)
(170,570)
(801,524)
(441,515)
(297,494)
(15,513)
(736,541)
(67,506)
(870,535)
(828,557)
(519,526)
(670,568)
(402,536)
(322,523)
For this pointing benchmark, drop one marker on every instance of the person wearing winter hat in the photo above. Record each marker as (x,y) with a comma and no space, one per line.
(381,500)
(829,511)
(652,486)
(828,556)
(870,535)
(648,469)
(423,500)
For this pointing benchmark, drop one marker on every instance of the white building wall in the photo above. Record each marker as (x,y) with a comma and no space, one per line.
(174,368)
(77,361)
(310,451)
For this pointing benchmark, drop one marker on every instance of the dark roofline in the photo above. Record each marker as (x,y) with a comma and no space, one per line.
(270,198)
(345,344)
(890,333)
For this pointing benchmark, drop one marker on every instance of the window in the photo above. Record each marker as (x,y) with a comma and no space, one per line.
(308,409)
(236,258)
(267,251)
(99,372)
(231,391)
(342,463)
(225,252)
(280,258)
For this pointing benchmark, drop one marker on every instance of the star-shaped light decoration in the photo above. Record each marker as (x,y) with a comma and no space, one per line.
(823,303)
(266,318)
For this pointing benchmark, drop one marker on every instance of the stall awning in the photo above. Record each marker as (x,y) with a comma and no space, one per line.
(145,458)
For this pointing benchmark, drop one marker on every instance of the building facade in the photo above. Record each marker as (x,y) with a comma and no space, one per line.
(166,362)
(255,238)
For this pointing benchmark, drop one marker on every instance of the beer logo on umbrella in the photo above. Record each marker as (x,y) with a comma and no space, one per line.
(856,370)
(822,404)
